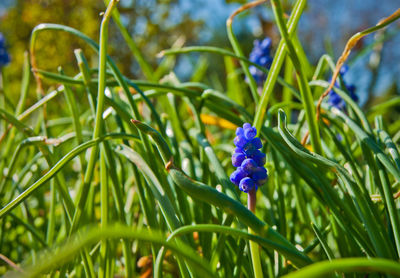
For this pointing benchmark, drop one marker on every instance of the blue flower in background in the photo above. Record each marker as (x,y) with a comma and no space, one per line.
(260,55)
(335,99)
(4,57)
(248,159)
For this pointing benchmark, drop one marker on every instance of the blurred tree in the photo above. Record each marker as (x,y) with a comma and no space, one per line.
(52,48)
(153,24)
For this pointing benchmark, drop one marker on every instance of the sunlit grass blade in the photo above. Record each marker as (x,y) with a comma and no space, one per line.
(67,251)
(61,163)
(305,90)
(277,62)
(348,265)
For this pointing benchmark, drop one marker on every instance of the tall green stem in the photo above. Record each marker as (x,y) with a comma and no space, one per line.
(81,199)
(254,249)
(305,90)
(276,66)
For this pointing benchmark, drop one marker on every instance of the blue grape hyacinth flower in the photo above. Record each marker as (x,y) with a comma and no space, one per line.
(4,57)
(334,99)
(249,160)
(260,55)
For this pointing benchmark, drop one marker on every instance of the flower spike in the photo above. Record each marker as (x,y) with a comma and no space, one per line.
(249,159)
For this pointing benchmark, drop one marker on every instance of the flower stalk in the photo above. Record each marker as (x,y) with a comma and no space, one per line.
(254,249)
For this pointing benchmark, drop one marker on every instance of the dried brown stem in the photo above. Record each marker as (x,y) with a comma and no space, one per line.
(346,52)
(243,8)
(10,263)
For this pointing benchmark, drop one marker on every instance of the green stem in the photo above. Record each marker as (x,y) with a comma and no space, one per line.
(305,90)
(276,66)
(103,270)
(69,96)
(288,76)
(223,52)
(390,205)
(52,214)
(254,249)
(57,167)
(81,199)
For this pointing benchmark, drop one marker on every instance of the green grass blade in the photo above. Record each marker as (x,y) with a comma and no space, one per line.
(305,90)
(54,258)
(348,265)
(279,58)
(57,167)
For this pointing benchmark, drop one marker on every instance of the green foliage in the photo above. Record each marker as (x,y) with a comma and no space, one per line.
(130,177)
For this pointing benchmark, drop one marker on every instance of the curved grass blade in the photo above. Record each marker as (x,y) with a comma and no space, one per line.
(383,107)
(348,265)
(323,242)
(155,185)
(52,259)
(216,165)
(27,131)
(69,96)
(365,138)
(37,140)
(212,228)
(117,74)
(305,90)
(348,100)
(211,196)
(363,205)
(181,89)
(390,146)
(57,167)
(224,52)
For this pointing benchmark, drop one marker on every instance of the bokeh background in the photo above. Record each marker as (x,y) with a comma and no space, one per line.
(160,24)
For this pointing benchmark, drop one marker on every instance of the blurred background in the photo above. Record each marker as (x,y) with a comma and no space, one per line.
(160,24)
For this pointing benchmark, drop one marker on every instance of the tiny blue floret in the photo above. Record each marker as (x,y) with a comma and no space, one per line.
(260,175)
(250,133)
(246,184)
(238,175)
(237,159)
(249,165)
(249,159)
(259,158)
